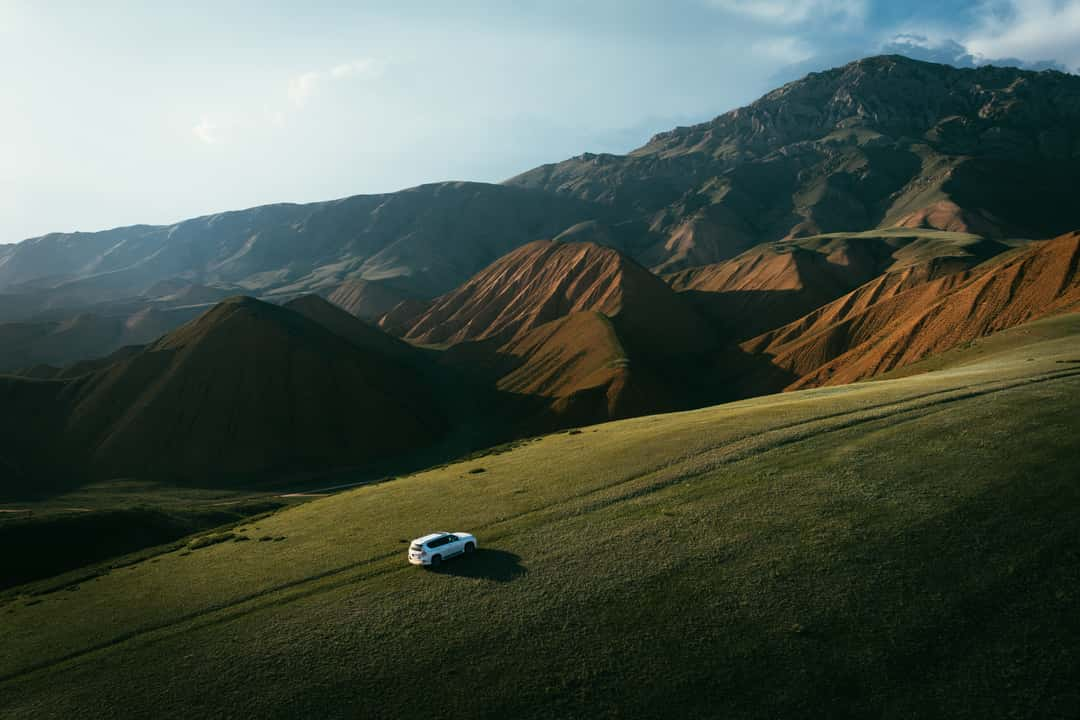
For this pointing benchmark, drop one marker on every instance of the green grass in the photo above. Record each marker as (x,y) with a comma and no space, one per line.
(888,549)
(85,531)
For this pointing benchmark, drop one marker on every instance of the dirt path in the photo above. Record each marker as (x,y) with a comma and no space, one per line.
(323,492)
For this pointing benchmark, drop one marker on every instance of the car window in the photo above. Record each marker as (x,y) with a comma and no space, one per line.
(451,538)
(437,542)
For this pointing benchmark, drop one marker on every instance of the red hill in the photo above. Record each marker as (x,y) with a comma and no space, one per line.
(581,369)
(247,387)
(903,317)
(360,333)
(775,283)
(545,281)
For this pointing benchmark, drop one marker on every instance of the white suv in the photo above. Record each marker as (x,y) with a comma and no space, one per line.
(434,548)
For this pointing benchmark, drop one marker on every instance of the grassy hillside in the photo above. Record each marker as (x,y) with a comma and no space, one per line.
(68,530)
(890,549)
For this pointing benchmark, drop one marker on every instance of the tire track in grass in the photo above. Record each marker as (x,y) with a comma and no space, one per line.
(731,451)
(720,459)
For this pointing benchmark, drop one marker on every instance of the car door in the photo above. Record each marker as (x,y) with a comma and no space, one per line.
(453,546)
(437,547)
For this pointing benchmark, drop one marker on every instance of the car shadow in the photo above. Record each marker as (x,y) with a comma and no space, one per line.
(487,564)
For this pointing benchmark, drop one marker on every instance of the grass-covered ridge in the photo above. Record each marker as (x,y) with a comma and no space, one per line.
(82,531)
(890,549)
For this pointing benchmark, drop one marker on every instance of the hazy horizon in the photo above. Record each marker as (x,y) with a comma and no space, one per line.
(177,113)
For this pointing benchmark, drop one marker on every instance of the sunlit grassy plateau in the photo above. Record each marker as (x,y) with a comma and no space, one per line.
(900,548)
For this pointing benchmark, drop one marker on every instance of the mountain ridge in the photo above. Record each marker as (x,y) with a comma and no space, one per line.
(881,142)
(902,322)
(246,387)
(772,284)
(295,248)
(558,270)
(546,280)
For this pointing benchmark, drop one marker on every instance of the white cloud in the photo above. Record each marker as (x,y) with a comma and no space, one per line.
(786,49)
(302,87)
(212,129)
(931,45)
(366,66)
(1029,30)
(221,127)
(789,12)
(275,118)
(206,131)
(927,39)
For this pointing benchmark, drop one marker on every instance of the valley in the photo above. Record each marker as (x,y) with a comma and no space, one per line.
(773,416)
(834,521)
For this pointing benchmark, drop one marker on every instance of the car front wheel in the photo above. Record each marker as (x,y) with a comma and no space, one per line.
(469,547)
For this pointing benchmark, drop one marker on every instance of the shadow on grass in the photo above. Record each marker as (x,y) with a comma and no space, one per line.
(497,565)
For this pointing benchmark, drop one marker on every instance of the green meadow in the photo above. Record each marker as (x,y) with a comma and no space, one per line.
(900,548)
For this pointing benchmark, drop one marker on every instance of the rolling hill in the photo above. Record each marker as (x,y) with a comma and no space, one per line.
(584,328)
(248,387)
(365,299)
(85,335)
(902,547)
(346,325)
(53,333)
(544,281)
(580,368)
(908,315)
(775,283)
(566,372)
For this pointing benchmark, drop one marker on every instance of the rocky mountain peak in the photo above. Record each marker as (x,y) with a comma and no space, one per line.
(897,97)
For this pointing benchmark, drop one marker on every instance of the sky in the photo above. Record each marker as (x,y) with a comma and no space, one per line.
(121,113)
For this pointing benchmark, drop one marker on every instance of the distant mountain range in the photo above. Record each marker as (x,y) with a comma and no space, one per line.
(426,240)
(850,223)
(882,142)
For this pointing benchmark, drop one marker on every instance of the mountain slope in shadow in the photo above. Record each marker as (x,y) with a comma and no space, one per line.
(248,387)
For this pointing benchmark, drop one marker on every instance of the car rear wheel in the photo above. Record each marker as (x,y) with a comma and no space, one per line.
(436,560)
(469,547)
